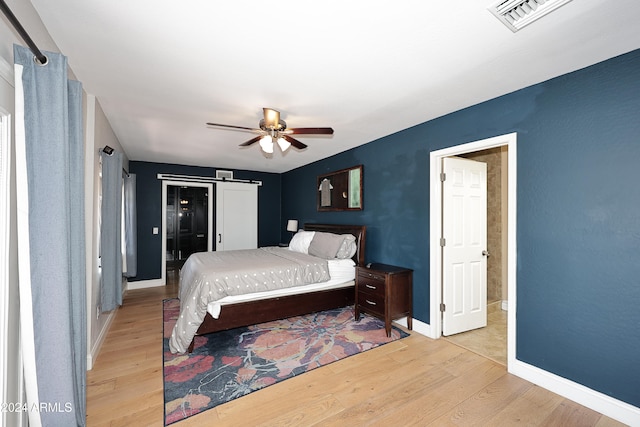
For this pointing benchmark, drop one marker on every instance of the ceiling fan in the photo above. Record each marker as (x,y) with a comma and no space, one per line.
(273,129)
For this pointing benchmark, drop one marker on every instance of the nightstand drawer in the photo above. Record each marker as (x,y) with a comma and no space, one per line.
(370,275)
(371,302)
(371,286)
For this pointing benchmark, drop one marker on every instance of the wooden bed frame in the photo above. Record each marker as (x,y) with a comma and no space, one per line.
(266,310)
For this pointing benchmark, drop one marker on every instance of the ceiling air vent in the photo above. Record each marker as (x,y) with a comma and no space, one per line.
(516,14)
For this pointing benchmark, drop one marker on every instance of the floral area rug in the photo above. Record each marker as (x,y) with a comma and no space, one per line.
(230,364)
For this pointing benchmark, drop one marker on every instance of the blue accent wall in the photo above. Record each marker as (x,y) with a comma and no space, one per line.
(578,223)
(149,204)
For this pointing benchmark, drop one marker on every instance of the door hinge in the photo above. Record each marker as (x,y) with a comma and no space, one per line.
(443,176)
(442,307)
(443,242)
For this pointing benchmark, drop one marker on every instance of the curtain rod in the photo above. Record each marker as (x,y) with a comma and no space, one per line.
(21,31)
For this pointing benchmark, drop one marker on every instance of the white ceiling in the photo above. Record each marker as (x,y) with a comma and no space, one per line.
(161,69)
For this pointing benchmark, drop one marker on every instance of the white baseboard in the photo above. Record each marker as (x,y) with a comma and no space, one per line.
(141,284)
(93,353)
(612,408)
(417,326)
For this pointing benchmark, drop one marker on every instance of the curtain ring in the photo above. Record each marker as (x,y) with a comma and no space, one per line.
(39,62)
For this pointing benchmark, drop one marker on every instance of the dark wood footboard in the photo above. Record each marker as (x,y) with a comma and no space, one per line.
(254,312)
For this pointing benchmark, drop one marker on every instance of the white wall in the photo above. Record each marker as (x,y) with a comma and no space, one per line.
(98,134)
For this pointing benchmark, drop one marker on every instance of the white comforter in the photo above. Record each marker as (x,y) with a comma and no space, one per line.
(210,276)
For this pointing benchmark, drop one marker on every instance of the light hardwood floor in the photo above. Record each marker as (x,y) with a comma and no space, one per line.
(490,341)
(415,381)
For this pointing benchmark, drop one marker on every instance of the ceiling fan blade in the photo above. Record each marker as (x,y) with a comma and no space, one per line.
(234,127)
(299,145)
(251,141)
(310,131)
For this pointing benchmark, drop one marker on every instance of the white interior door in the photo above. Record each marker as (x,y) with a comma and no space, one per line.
(236,216)
(464,245)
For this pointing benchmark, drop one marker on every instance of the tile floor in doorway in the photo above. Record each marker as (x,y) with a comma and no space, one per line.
(490,341)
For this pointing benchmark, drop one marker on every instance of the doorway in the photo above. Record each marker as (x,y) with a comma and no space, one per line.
(508,143)
(491,339)
(187,222)
(187,225)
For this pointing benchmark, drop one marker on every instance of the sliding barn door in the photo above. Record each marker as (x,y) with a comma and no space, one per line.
(236,216)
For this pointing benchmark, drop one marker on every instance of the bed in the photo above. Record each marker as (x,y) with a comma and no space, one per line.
(258,307)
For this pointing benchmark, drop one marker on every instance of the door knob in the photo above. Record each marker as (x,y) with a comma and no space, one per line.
(486,253)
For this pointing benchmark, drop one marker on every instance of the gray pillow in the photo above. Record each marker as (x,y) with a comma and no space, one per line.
(325,245)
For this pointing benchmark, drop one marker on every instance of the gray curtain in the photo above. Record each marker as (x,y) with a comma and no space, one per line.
(130,227)
(111,232)
(51,238)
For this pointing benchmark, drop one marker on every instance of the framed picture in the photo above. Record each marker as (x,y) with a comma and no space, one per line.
(341,190)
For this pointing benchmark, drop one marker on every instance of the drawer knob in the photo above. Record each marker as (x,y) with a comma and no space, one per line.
(370,302)
(371,287)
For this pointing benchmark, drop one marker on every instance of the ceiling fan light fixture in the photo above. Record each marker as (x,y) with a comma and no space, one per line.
(283,144)
(273,130)
(266,143)
(271,118)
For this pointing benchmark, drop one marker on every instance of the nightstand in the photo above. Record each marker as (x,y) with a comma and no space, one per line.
(384,291)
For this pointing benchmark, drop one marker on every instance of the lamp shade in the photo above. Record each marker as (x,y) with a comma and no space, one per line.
(284,144)
(266,143)
(292,225)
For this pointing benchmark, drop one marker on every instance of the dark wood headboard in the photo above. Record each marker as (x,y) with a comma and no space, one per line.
(359,231)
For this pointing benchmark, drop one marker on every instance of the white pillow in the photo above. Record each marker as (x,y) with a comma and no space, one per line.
(301,241)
